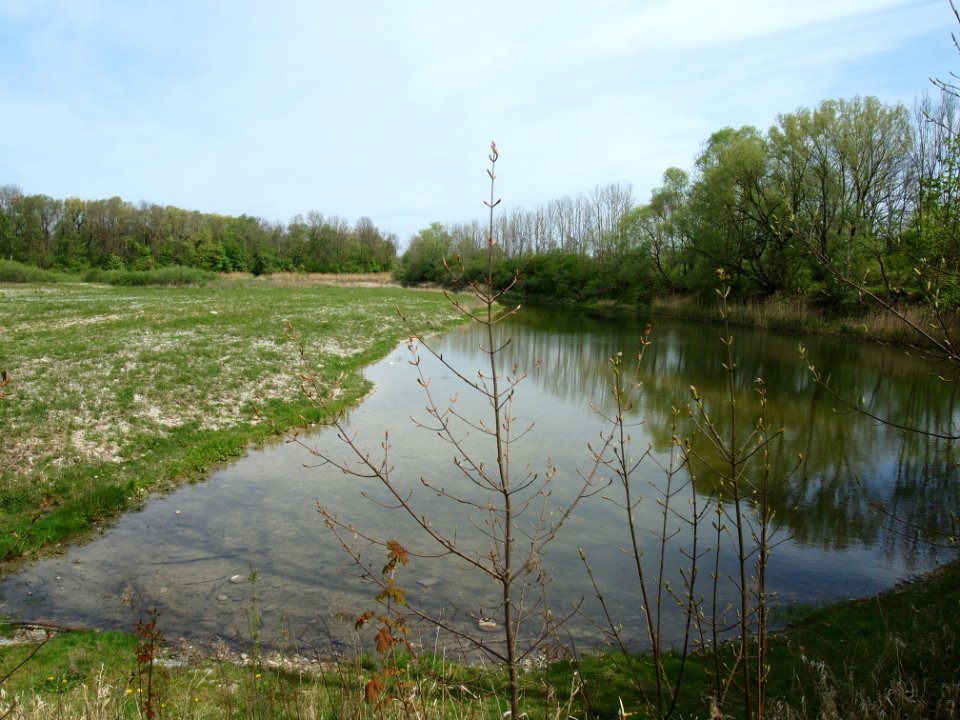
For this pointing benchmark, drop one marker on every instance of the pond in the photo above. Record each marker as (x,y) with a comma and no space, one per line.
(837,516)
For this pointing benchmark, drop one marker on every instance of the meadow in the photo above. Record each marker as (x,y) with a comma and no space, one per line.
(114,392)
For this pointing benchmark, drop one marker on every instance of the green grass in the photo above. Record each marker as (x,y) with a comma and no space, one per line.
(119,390)
(856,658)
(893,655)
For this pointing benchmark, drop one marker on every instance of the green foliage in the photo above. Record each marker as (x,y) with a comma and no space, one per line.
(16,272)
(657,231)
(113,234)
(423,260)
(930,252)
(557,276)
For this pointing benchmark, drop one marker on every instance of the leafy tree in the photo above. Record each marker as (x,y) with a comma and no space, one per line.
(422,262)
(296,241)
(554,276)
(8,196)
(6,234)
(733,211)
(207,252)
(35,218)
(318,254)
(375,252)
(657,229)
(932,239)
(106,233)
(843,170)
(238,235)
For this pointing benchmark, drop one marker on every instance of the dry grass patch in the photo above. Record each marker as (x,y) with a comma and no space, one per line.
(370,280)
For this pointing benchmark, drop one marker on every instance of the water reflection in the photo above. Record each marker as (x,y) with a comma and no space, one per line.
(846,455)
(181,551)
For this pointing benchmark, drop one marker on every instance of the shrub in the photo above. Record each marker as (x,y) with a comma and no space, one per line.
(167,276)
(15,272)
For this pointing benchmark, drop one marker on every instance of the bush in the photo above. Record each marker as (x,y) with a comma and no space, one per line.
(554,277)
(15,272)
(167,276)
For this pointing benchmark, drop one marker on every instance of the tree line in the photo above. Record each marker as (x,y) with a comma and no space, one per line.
(75,234)
(847,189)
(850,188)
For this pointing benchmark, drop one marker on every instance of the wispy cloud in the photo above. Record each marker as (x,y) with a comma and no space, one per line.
(386,109)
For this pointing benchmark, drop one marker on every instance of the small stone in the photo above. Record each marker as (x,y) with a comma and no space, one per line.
(222,598)
(237,579)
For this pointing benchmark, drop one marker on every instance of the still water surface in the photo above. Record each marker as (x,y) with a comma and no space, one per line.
(180,551)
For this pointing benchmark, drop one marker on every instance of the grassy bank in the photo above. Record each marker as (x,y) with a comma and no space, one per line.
(894,655)
(115,391)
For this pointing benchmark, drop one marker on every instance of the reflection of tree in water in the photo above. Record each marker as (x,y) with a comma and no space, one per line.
(910,483)
(919,513)
(852,464)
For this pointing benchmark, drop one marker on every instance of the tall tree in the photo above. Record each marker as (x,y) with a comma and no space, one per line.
(35,218)
(423,259)
(607,205)
(845,171)
(657,228)
(734,213)
(9,195)
(935,226)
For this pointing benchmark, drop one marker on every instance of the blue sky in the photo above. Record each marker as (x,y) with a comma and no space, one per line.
(386,108)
